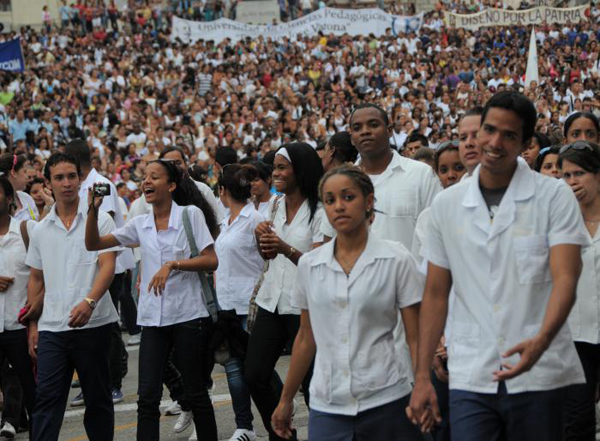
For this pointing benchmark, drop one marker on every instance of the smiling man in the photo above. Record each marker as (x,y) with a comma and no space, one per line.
(509,240)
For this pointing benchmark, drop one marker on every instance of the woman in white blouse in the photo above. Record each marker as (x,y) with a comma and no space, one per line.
(240,265)
(295,230)
(171,307)
(15,168)
(580,162)
(350,291)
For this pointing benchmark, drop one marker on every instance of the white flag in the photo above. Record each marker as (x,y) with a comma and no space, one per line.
(532,62)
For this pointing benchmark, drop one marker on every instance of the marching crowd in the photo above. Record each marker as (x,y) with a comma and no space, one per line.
(204,193)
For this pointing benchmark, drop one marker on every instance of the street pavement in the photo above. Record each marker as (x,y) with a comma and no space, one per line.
(126,413)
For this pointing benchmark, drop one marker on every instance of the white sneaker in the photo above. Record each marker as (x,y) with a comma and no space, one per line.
(243,435)
(173,409)
(135,340)
(8,431)
(193,436)
(183,422)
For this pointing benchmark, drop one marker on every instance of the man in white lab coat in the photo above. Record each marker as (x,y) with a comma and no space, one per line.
(510,241)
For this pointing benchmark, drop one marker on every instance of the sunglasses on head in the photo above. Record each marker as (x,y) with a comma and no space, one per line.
(579,145)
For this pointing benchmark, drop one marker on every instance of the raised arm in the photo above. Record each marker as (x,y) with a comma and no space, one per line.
(93,240)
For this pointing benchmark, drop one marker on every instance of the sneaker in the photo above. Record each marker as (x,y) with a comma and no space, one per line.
(134,340)
(78,400)
(183,422)
(193,436)
(173,409)
(8,431)
(243,435)
(117,396)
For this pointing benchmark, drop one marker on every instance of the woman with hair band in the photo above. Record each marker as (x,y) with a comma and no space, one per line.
(295,230)
(547,162)
(171,308)
(15,168)
(580,163)
(350,291)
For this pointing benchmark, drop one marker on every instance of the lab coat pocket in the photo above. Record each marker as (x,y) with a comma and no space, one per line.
(464,350)
(403,203)
(85,257)
(550,367)
(532,257)
(53,309)
(320,385)
(377,367)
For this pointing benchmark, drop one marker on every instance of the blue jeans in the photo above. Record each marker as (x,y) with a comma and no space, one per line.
(382,423)
(501,416)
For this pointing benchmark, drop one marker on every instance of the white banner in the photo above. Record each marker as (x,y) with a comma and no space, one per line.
(506,17)
(257,12)
(327,20)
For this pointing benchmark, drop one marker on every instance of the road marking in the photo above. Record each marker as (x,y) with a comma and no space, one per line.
(216,399)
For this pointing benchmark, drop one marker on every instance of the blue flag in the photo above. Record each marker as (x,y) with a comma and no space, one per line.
(11,56)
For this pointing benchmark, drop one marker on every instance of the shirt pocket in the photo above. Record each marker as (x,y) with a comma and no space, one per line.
(532,258)
(377,367)
(85,257)
(402,203)
(464,350)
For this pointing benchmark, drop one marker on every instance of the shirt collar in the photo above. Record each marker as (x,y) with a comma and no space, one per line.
(14,226)
(397,161)
(174,217)
(521,187)
(372,251)
(245,212)
(82,209)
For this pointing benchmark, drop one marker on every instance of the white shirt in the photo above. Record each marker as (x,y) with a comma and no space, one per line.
(69,269)
(182,299)
(12,264)
(110,204)
(280,279)
(502,278)
(358,365)
(402,191)
(240,264)
(29,210)
(584,319)
(263,207)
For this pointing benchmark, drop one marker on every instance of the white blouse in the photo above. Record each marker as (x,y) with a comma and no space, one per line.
(240,263)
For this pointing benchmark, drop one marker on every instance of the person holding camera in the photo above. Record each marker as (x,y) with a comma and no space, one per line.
(73,331)
(171,309)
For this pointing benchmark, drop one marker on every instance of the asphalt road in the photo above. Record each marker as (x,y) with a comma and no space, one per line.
(126,413)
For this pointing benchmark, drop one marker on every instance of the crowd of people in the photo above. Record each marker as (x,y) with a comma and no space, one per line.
(228,172)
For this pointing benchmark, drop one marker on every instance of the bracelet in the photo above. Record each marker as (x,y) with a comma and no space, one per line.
(291,253)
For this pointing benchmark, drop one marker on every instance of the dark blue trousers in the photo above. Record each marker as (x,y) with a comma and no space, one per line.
(527,416)
(59,354)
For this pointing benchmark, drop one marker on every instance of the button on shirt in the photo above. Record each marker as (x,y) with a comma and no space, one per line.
(69,269)
(584,319)
(182,299)
(280,279)
(402,191)
(358,364)
(240,264)
(110,203)
(502,277)
(12,264)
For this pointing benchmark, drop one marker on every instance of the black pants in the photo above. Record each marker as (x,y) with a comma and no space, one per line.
(18,383)
(59,353)
(580,399)
(270,333)
(128,308)
(190,343)
(117,347)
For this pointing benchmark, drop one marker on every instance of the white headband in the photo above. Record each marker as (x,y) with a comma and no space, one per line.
(283,152)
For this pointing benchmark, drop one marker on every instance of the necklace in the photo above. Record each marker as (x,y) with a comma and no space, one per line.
(592,221)
(346,265)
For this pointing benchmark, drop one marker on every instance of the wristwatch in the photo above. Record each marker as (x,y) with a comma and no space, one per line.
(90,302)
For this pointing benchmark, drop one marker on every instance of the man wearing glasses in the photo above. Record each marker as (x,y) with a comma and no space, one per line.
(509,242)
